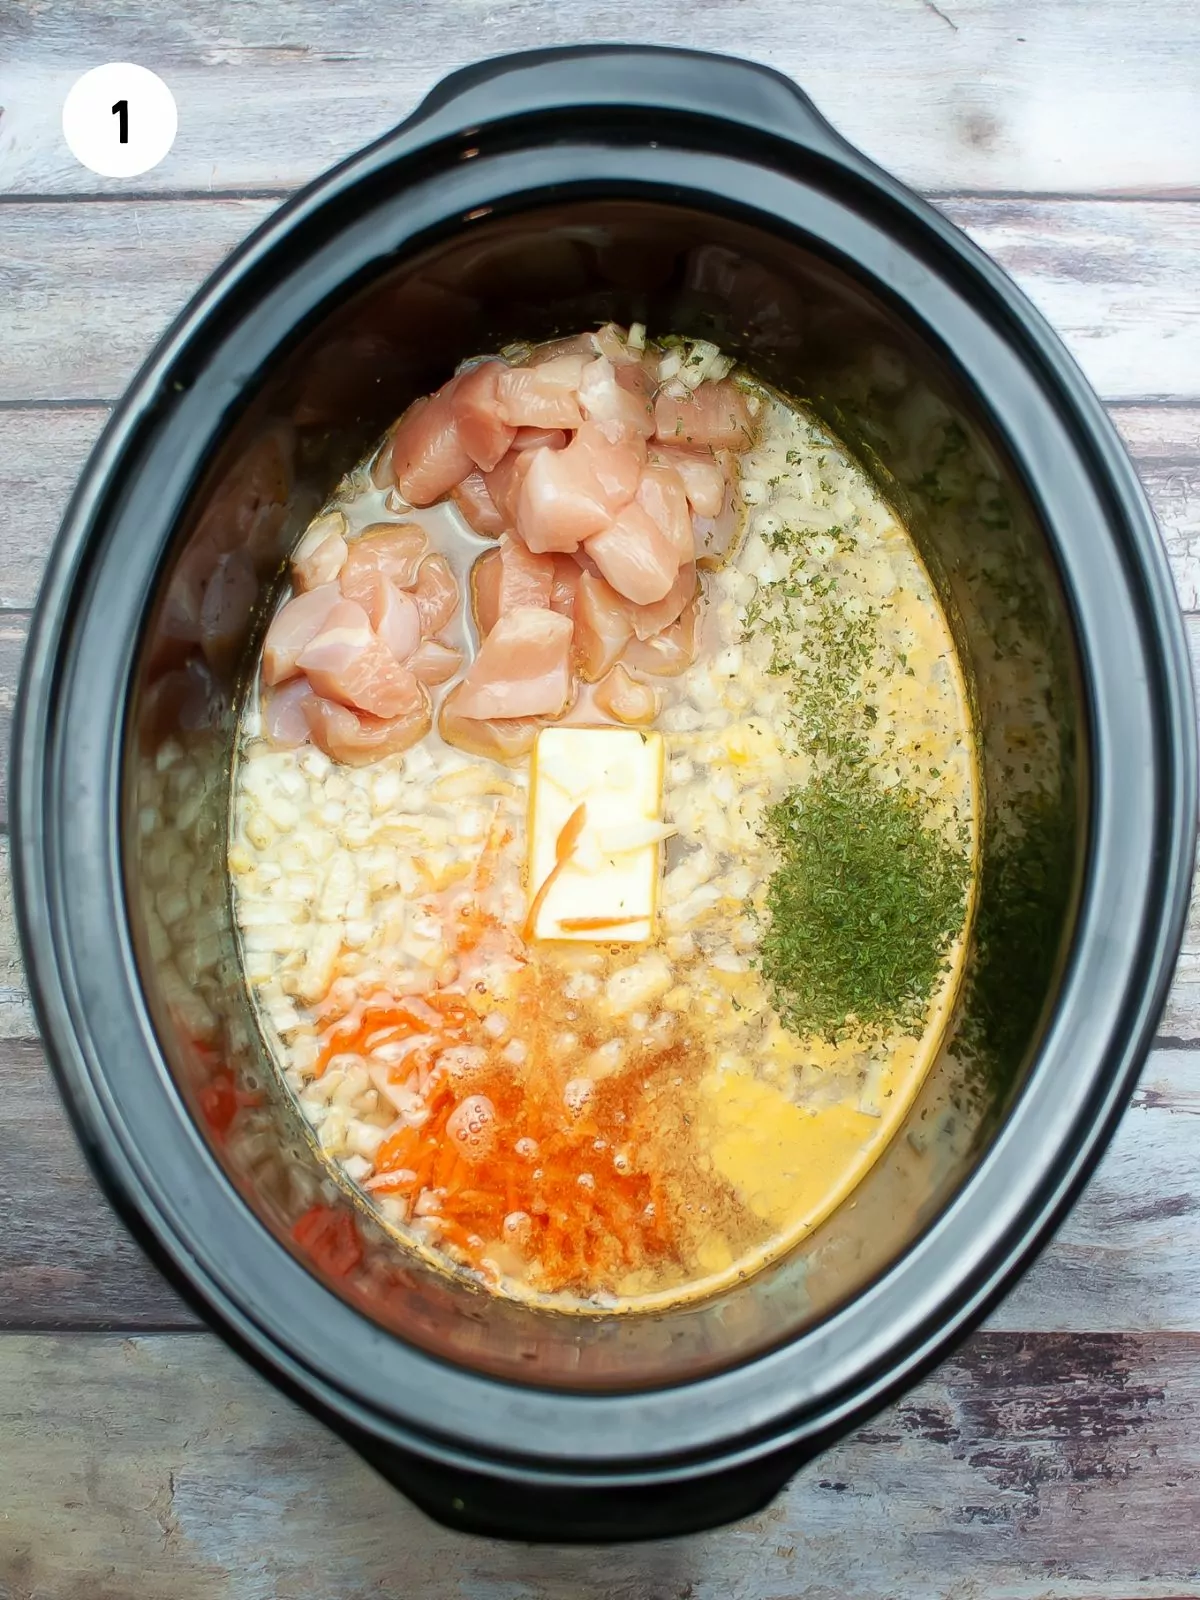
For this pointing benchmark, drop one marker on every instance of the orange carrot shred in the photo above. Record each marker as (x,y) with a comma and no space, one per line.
(564,849)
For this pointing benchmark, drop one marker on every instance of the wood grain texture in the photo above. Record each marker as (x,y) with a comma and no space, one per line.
(14,629)
(16,1013)
(969,94)
(65,1260)
(86,290)
(1125,1259)
(1164,442)
(41,455)
(1065,1466)
(1116,279)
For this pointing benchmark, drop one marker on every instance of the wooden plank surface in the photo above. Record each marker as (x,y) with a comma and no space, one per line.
(1058,95)
(1026,1466)
(41,455)
(1111,276)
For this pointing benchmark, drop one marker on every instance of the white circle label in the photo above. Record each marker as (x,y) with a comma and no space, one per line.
(119,120)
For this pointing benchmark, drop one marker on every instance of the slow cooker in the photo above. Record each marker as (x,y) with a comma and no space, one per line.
(526,197)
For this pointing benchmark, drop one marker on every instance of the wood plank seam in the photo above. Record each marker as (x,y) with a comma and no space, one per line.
(1182,195)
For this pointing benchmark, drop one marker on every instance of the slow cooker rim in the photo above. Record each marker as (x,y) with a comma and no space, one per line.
(99,475)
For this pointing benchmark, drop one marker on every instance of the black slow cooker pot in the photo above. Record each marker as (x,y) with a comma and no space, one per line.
(528,197)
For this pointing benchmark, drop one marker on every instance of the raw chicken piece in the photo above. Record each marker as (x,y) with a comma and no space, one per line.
(293,627)
(652,619)
(627,700)
(634,555)
(605,620)
(523,668)
(717,537)
(503,739)
(428,456)
(559,502)
(320,555)
(716,416)
(383,468)
(702,474)
(230,596)
(544,396)
(508,577)
(602,626)
(669,653)
(284,722)
(432,662)
(355,739)
(348,662)
(533,438)
(436,594)
(661,493)
(394,617)
(482,431)
(616,409)
(565,585)
(575,344)
(477,506)
(568,495)
(504,483)
(639,377)
(385,549)
(487,577)
(613,341)
(585,563)
(617,468)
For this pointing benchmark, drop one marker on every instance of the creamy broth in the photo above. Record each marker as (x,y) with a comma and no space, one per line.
(628,1124)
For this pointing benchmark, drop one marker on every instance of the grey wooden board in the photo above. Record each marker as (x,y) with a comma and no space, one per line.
(1027,1466)
(86,288)
(969,94)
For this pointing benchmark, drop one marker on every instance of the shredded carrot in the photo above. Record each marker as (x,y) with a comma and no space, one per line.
(579,1233)
(357,1033)
(564,849)
(399,1151)
(393,1183)
(456,1014)
(339,1037)
(499,834)
(582,1201)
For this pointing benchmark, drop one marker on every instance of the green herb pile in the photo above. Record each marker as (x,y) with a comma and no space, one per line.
(860,909)
(867,896)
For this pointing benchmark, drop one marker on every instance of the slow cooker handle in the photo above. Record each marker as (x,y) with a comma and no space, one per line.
(548,1513)
(627,77)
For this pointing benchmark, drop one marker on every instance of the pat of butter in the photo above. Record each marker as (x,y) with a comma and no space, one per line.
(607,890)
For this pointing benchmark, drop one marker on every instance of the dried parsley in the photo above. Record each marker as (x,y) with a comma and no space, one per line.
(861,908)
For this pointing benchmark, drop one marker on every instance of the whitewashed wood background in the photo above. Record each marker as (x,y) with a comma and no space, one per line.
(1058,1454)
